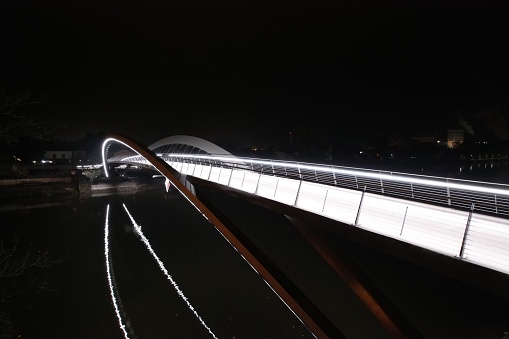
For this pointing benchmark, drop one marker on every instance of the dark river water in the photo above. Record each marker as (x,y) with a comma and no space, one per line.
(148,265)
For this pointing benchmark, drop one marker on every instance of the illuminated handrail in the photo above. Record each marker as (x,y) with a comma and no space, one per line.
(490,198)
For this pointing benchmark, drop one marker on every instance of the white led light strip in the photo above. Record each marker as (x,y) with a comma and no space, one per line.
(353,172)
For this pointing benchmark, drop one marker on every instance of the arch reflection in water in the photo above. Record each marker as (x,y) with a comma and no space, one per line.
(111,283)
(144,239)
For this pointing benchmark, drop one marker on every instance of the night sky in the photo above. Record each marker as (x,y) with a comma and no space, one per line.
(252,71)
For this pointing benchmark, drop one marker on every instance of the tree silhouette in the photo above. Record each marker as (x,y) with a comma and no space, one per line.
(16,123)
(23,277)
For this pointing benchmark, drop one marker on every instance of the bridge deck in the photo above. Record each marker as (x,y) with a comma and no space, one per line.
(468,236)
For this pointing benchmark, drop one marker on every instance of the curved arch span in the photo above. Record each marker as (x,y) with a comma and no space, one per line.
(202,144)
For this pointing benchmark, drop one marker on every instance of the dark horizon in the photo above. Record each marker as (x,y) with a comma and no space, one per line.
(253,72)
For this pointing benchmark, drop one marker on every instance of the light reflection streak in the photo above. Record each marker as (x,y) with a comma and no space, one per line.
(108,272)
(165,271)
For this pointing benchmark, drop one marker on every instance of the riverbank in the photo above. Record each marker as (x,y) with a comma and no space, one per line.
(37,190)
(22,189)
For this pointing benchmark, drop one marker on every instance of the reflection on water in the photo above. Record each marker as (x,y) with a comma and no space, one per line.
(151,264)
(491,171)
(115,299)
(197,285)
(160,264)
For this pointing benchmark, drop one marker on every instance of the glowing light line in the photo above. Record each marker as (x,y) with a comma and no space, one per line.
(353,172)
(103,152)
(108,272)
(165,271)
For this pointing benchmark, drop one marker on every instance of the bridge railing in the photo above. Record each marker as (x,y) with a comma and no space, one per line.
(485,197)
(458,218)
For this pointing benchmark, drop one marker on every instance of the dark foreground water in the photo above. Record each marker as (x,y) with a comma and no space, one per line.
(177,277)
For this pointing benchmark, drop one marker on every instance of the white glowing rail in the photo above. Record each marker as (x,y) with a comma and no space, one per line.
(458,218)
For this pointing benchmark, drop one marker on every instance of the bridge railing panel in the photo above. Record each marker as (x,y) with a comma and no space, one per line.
(250,182)
(326,178)
(205,171)
(347,181)
(214,174)
(342,204)
(382,216)
(286,190)
(486,242)
(430,194)
(267,186)
(224,175)
(237,179)
(191,168)
(311,197)
(501,205)
(441,231)
(398,189)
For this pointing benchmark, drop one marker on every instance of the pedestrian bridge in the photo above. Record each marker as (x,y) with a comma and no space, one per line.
(459,218)
(463,221)
(466,220)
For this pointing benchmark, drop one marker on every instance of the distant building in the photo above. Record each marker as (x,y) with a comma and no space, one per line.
(455,137)
(452,137)
(64,157)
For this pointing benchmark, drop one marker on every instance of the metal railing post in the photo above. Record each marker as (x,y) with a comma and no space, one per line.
(298,192)
(462,250)
(243,178)
(230,178)
(403,224)
(448,193)
(360,204)
(325,200)
(258,183)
